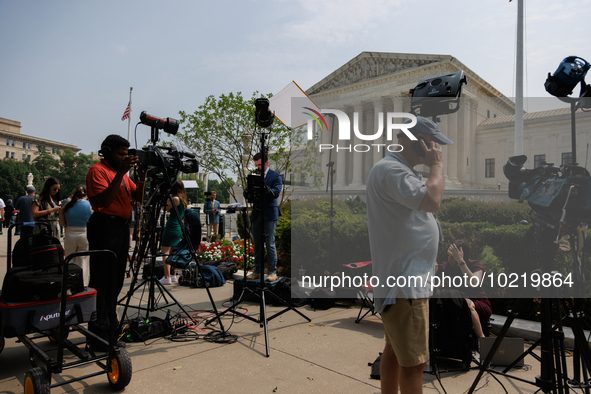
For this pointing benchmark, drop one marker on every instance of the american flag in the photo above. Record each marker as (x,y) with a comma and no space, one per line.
(127,111)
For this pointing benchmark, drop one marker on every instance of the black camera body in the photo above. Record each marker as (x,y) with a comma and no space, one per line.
(161,159)
(555,193)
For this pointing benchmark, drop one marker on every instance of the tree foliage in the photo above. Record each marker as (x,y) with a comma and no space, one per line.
(72,170)
(46,164)
(223,136)
(13,177)
(222,192)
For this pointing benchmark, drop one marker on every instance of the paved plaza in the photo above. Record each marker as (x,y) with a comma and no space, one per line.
(330,354)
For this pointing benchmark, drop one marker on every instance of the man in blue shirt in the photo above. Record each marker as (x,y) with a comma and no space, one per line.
(212,210)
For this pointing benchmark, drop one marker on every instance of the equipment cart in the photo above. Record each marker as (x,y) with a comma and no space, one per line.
(35,321)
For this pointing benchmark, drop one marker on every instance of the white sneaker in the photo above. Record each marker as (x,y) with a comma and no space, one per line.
(173,279)
(165,281)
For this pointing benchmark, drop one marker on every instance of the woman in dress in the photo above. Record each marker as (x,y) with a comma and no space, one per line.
(74,217)
(172,233)
(45,208)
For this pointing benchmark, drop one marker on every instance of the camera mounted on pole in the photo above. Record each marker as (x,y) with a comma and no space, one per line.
(163,163)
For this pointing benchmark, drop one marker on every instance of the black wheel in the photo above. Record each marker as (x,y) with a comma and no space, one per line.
(120,374)
(36,381)
(2,343)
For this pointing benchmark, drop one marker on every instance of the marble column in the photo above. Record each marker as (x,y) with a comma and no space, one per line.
(473,105)
(452,155)
(378,112)
(443,127)
(463,125)
(355,156)
(341,157)
(328,155)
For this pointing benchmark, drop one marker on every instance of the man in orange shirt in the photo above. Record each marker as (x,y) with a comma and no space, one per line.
(110,192)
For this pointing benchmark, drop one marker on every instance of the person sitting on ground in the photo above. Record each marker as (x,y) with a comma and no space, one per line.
(459,264)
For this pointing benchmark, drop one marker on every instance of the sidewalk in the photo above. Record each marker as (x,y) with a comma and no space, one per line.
(328,355)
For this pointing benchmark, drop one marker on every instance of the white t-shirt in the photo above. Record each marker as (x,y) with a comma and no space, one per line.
(403,240)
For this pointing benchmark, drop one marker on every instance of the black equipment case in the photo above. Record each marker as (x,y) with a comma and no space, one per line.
(20,318)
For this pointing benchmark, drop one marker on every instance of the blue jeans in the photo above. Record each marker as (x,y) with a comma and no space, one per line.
(269,243)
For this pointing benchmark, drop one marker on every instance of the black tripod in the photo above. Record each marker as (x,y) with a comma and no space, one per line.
(147,249)
(553,368)
(261,291)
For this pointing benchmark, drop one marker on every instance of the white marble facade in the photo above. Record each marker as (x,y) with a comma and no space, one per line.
(373,84)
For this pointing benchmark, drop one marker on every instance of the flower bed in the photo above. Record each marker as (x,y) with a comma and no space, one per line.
(225,249)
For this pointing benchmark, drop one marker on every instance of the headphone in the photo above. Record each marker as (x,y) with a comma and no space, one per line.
(105,151)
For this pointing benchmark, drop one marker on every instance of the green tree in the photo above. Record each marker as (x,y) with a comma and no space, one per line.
(72,170)
(223,136)
(46,164)
(13,177)
(222,192)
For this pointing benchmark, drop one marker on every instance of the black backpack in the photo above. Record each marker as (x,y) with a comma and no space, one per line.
(451,321)
(193,226)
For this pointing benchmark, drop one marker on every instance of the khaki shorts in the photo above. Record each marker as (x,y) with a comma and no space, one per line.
(406,325)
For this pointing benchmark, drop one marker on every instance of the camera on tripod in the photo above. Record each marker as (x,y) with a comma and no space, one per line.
(556,194)
(207,196)
(160,159)
(157,160)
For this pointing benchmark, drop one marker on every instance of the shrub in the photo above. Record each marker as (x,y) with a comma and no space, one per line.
(283,240)
(461,210)
(314,248)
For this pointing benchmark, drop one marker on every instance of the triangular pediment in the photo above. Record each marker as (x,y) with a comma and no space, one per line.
(369,65)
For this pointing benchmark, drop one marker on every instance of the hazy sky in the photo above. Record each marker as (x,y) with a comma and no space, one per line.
(66,66)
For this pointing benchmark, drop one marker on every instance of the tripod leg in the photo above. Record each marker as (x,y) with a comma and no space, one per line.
(484,364)
(264,322)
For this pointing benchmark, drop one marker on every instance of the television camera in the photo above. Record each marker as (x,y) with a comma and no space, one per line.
(556,194)
(163,162)
(156,160)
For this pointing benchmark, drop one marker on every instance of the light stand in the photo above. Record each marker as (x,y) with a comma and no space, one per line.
(330,182)
(264,118)
(570,72)
(553,371)
(147,247)
(432,97)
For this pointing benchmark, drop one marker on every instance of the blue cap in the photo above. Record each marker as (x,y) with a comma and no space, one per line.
(426,126)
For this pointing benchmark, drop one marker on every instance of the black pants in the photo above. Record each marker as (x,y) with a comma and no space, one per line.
(107,273)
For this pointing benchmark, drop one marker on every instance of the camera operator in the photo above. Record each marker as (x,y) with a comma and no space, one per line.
(212,210)
(110,192)
(273,185)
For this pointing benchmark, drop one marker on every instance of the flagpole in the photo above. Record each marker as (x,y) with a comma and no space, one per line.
(129,117)
(518,144)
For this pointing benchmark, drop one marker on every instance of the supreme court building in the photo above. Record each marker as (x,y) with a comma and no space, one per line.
(376,83)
